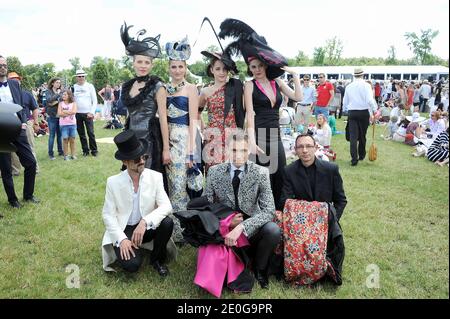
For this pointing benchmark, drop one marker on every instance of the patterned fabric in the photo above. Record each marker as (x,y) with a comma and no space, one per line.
(215,132)
(304,247)
(178,119)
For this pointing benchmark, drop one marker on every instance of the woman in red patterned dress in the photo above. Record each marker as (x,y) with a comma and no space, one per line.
(223,101)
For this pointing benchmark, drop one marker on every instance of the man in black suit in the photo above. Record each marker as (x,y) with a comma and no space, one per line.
(312,179)
(10,92)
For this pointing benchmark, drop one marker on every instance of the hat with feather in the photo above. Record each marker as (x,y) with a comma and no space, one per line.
(148,46)
(251,45)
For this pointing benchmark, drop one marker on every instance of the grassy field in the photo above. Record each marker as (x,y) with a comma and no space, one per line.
(396,221)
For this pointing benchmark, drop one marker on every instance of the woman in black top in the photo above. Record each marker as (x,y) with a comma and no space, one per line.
(262,101)
(144,96)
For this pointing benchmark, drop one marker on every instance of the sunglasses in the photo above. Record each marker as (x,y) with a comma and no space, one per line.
(80,76)
(320,77)
(143,157)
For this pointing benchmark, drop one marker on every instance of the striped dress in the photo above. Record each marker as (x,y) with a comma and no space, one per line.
(438,151)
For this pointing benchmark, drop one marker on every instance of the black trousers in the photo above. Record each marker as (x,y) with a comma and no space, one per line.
(160,237)
(82,121)
(358,122)
(263,244)
(27,160)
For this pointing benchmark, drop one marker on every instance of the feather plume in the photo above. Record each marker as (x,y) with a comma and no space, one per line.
(235,28)
(124,33)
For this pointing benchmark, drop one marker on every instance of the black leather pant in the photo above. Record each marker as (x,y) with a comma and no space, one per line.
(160,235)
(264,242)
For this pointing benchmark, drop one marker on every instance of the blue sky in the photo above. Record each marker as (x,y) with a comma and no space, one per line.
(54,31)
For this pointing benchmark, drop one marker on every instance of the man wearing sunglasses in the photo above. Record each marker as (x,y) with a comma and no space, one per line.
(136,210)
(86,99)
(11,92)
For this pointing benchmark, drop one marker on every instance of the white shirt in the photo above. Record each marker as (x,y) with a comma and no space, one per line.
(86,98)
(5,95)
(359,96)
(136,215)
(425,91)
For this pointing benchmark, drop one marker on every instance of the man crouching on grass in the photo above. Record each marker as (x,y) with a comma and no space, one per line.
(136,210)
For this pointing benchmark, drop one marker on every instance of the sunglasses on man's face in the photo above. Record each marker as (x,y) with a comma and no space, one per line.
(143,157)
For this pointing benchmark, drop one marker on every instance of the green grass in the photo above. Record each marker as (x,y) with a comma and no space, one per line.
(396,218)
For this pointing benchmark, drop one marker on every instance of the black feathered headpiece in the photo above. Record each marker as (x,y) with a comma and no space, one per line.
(148,46)
(251,45)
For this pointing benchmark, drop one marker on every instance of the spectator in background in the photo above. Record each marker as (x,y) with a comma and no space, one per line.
(67,110)
(416,97)
(107,94)
(325,93)
(322,132)
(341,89)
(360,103)
(305,106)
(10,92)
(425,95)
(378,92)
(438,151)
(52,97)
(30,111)
(86,100)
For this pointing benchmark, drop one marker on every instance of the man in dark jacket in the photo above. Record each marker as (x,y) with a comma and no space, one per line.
(311,179)
(10,92)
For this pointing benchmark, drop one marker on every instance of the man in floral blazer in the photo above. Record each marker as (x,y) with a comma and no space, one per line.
(245,187)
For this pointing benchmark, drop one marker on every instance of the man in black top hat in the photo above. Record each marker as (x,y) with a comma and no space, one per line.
(136,210)
(10,92)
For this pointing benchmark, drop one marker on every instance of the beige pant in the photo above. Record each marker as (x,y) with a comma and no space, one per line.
(15,163)
(302,115)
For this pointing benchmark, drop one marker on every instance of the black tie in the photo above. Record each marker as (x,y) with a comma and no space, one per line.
(5,84)
(236,181)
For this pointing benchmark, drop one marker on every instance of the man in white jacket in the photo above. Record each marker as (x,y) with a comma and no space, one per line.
(136,210)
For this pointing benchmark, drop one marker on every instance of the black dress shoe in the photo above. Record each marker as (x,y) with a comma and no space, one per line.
(85,154)
(94,154)
(354,163)
(262,278)
(15,204)
(162,270)
(32,199)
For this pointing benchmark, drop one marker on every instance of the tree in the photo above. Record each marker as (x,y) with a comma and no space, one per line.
(301,59)
(14,65)
(391,60)
(161,68)
(333,51)
(76,64)
(100,76)
(421,46)
(319,56)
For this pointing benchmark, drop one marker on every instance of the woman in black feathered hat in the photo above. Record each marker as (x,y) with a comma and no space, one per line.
(145,95)
(224,103)
(263,96)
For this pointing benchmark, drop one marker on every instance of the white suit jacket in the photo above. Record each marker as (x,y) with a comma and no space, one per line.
(154,205)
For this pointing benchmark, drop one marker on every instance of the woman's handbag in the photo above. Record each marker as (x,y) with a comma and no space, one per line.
(373,147)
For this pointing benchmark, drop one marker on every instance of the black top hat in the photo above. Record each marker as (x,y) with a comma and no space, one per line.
(10,126)
(129,146)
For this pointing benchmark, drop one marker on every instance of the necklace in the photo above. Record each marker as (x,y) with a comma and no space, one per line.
(173,89)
